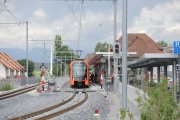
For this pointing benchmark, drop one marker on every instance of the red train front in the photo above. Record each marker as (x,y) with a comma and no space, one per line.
(79,73)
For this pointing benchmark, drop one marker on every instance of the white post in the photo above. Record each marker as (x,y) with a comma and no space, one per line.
(27,52)
(51,62)
(109,66)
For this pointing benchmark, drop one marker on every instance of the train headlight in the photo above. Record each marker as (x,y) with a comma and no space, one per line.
(73,78)
(85,78)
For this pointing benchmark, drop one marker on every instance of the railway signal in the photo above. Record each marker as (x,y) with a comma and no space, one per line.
(116,49)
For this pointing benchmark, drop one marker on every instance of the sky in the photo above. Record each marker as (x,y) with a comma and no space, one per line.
(159,19)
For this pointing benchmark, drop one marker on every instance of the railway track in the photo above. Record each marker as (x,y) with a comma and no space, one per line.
(54,114)
(17,92)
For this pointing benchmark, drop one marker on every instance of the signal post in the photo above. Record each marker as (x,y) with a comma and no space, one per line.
(116,56)
(42,73)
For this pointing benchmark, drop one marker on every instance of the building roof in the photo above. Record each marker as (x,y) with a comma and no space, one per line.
(141,43)
(14,62)
(9,62)
(153,59)
(137,42)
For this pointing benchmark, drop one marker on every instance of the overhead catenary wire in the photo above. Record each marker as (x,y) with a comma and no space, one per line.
(34,31)
(90,36)
(72,12)
(94,31)
(11,32)
(80,27)
(19,39)
(15,20)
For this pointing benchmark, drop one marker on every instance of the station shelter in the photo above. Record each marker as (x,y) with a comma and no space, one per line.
(149,59)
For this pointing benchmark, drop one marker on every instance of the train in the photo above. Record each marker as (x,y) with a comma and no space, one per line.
(79,73)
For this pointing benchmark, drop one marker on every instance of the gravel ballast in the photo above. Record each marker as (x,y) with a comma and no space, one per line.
(30,102)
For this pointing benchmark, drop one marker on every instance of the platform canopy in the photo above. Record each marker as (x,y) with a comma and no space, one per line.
(153,59)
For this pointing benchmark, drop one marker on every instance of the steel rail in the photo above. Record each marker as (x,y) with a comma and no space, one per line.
(17,92)
(29,115)
(54,114)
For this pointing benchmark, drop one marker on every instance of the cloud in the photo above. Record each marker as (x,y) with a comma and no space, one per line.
(161,22)
(40,13)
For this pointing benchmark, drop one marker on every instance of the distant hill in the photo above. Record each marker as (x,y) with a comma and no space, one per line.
(35,54)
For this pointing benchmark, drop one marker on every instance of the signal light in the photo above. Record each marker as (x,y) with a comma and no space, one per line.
(116,50)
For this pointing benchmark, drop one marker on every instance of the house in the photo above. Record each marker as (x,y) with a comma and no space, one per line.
(141,43)
(9,68)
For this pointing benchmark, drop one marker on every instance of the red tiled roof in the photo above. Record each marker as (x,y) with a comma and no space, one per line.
(9,62)
(15,62)
(4,62)
(141,43)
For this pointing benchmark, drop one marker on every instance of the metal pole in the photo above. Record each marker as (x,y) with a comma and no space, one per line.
(179,73)
(44,54)
(27,52)
(175,79)
(71,57)
(61,66)
(57,66)
(51,62)
(65,65)
(115,84)
(124,55)
(109,66)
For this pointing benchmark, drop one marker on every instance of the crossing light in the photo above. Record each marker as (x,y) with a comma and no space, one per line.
(116,49)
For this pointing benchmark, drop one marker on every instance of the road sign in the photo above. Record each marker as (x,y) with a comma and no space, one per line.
(54,60)
(177,51)
(176,47)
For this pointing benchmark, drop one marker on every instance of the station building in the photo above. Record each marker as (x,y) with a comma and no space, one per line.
(150,59)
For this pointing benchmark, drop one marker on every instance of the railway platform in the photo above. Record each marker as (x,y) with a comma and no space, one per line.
(115,101)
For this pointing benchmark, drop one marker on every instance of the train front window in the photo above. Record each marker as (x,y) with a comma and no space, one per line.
(79,71)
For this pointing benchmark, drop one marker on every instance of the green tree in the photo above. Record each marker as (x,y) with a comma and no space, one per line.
(162,43)
(101,47)
(31,66)
(61,51)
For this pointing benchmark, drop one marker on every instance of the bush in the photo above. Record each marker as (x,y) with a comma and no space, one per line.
(158,103)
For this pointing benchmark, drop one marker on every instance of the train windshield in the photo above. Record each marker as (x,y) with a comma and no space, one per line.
(79,71)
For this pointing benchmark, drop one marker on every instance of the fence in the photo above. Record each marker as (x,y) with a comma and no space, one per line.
(18,82)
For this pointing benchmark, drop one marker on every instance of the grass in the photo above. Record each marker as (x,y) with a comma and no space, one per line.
(36,73)
(5,86)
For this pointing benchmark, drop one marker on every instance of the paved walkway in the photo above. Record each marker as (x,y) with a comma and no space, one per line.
(115,101)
